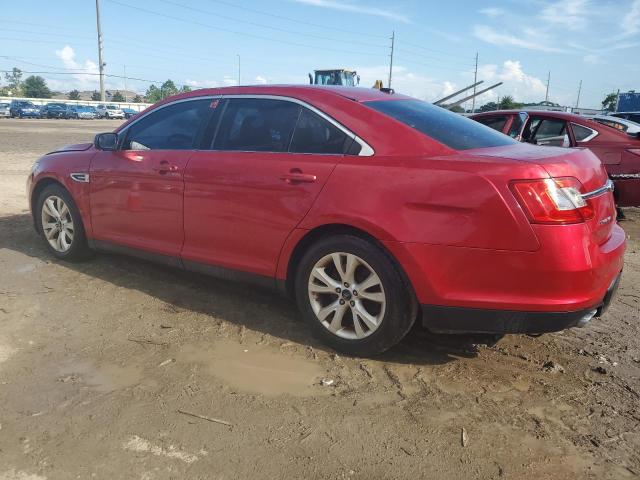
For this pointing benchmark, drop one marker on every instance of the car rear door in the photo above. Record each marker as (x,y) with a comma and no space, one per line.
(137,190)
(268,162)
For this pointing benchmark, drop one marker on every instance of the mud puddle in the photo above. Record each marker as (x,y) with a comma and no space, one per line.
(256,369)
(103,378)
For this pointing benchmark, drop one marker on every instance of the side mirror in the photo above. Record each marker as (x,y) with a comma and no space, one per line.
(106,141)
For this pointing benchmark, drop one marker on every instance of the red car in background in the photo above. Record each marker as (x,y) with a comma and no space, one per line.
(618,151)
(371,210)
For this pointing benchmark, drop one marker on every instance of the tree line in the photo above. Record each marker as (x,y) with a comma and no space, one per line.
(35,86)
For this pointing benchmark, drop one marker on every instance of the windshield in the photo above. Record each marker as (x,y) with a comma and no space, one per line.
(328,78)
(112,107)
(84,109)
(448,128)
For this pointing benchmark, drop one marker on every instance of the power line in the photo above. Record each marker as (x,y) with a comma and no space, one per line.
(235,32)
(31,72)
(298,21)
(260,25)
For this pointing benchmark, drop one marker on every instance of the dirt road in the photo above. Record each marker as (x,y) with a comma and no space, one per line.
(117,368)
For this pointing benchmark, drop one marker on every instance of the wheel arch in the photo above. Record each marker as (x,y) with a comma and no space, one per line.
(326,230)
(37,189)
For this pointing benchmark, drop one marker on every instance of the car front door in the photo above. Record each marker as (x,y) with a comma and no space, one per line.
(268,162)
(547,131)
(137,190)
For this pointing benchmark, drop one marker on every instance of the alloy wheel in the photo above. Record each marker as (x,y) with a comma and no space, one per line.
(57,224)
(347,295)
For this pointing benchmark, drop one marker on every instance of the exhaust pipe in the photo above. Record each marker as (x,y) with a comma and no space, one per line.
(584,321)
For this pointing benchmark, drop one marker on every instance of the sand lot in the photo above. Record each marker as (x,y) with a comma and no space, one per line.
(100,360)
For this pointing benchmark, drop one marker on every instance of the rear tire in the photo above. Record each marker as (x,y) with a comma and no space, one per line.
(60,224)
(354,296)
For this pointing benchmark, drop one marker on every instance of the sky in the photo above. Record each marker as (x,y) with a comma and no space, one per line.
(199,42)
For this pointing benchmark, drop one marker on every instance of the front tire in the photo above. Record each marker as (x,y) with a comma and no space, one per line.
(60,224)
(354,296)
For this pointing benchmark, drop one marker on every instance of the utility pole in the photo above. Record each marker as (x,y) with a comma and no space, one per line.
(238,69)
(546,97)
(617,99)
(393,39)
(124,67)
(100,60)
(475,80)
(579,90)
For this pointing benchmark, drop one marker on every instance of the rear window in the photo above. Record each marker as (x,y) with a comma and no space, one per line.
(497,123)
(448,128)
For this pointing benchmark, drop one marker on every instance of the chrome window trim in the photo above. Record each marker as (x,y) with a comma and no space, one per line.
(365,149)
(594,133)
(607,187)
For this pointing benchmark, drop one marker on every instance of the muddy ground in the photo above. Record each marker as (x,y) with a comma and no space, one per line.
(99,359)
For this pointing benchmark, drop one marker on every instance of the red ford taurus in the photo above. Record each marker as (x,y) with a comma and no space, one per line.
(619,152)
(371,210)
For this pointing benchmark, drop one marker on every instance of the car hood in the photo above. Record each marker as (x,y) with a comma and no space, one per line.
(75,147)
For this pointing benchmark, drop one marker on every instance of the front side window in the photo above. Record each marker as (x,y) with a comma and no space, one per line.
(174,127)
(551,132)
(314,134)
(257,125)
(450,129)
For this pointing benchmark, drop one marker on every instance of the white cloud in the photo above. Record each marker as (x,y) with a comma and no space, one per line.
(489,35)
(229,81)
(631,21)
(356,8)
(592,59)
(86,78)
(516,82)
(202,83)
(406,81)
(571,14)
(260,80)
(492,12)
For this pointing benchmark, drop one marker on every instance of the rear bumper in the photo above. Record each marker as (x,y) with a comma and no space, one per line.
(470,320)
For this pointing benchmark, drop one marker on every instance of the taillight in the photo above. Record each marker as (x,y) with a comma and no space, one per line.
(552,200)
(635,151)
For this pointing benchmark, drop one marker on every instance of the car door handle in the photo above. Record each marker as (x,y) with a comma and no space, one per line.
(164,168)
(296,176)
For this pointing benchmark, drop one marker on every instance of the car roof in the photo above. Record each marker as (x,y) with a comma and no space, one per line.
(358,94)
(546,113)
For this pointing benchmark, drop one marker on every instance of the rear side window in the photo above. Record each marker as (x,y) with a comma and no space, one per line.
(497,123)
(314,134)
(257,125)
(583,134)
(448,128)
(174,127)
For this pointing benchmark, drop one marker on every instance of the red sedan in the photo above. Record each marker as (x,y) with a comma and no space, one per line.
(619,152)
(371,210)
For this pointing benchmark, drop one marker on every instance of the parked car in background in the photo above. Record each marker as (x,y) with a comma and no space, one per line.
(627,126)
(129,112)
(70,111)
(109,111)
(23,108)
(349,200)
(5,111)
(53,110)
(80,112)
(633,116)
(619,152)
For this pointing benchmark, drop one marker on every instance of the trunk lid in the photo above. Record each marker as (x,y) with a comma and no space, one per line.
(579,163)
